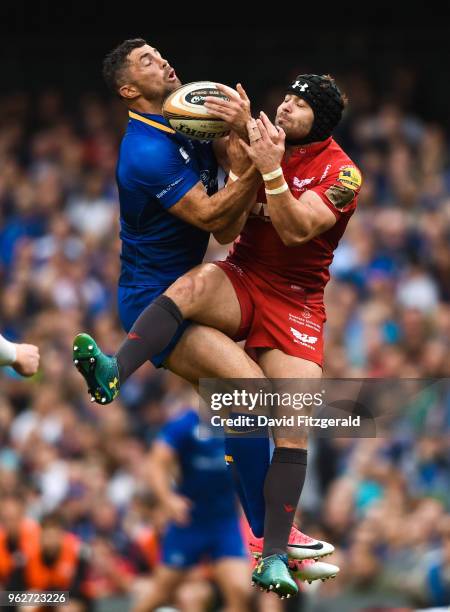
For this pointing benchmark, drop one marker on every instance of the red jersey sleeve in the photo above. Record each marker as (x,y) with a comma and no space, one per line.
(340,189)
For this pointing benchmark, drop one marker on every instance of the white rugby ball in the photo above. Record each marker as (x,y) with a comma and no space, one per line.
(185,111)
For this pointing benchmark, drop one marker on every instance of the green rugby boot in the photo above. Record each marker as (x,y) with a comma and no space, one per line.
(100,371)
(272,574)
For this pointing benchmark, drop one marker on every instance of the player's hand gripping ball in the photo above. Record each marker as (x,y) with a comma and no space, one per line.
(185,110)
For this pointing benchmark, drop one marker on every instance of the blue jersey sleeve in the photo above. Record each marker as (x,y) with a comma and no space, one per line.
(161,169)
(178,432)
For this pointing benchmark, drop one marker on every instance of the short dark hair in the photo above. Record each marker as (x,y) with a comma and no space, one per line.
(115,63)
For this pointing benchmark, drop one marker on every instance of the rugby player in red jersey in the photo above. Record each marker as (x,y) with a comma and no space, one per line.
(270,289)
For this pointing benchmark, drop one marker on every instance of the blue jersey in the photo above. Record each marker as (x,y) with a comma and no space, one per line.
(205,478)
(156,168)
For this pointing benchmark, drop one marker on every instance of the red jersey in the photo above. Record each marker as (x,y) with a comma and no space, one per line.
(324,168)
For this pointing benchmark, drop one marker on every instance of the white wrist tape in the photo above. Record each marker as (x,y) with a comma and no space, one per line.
(232,176)
(273,175)
(8,352)
(284,187)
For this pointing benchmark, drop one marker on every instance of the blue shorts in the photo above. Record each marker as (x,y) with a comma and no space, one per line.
(132,301)
(183,547)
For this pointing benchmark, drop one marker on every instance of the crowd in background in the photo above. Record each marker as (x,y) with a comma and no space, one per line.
(384,502)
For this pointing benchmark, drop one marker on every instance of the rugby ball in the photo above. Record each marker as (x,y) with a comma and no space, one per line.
(185,111)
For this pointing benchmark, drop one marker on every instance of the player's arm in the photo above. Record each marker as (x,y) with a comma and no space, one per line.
(218,212)
(240,163)
(24,358)
(162,171)
(232,230)
(296,220)
(162,468)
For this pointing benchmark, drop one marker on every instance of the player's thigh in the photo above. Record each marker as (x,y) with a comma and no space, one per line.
(276,364)
(233,577)
(204,352)
(206,295)
(301,377)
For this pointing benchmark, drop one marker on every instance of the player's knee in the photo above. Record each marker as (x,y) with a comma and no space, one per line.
(187,292)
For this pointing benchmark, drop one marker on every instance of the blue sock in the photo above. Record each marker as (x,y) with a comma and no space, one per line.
(251,459)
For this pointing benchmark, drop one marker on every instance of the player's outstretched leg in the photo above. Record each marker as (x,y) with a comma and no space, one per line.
(100,371)
(272,574)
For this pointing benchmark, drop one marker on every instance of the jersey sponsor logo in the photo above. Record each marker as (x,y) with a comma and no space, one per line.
(303,338)
(305,320)
(299,184)
(163,192)
(350,177)
(325,172)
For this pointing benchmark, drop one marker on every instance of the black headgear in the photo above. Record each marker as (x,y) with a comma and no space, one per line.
(326,100)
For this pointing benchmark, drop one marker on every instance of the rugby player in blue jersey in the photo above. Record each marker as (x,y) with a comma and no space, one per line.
(203,518)
(169,205)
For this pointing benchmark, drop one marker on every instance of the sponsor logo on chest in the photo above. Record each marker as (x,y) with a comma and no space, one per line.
(301,184)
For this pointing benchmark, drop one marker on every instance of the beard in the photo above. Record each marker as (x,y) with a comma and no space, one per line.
(170,87)
(294,136)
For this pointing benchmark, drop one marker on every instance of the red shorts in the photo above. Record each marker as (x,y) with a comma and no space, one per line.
(276,314)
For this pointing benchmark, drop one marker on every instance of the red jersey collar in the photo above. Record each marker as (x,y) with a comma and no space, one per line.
(310,149)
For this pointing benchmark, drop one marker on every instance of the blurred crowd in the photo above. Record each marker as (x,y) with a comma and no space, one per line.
(384,502)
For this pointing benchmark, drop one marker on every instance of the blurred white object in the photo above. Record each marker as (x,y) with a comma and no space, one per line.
(419,291)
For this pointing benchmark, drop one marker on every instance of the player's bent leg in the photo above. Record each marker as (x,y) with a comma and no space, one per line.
(233,579)
(165,579)
(206,295)
(205,292)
